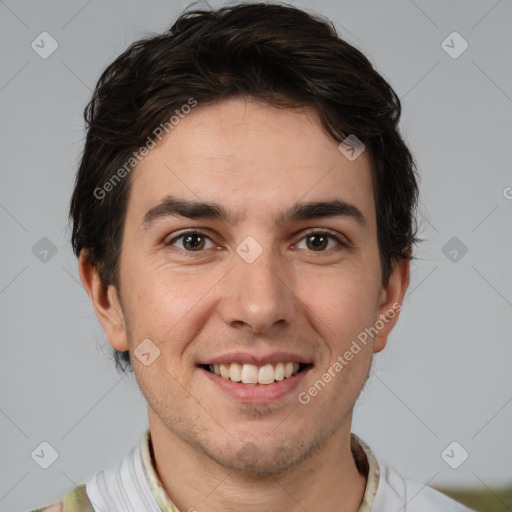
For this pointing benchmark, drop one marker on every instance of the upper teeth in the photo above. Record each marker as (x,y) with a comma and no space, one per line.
(252,374)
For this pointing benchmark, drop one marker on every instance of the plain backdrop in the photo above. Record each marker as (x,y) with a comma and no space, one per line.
(445,375)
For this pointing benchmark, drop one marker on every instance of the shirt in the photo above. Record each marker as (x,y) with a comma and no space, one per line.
(135,486)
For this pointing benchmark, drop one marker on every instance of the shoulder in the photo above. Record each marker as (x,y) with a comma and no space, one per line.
(74,501)
(395,490)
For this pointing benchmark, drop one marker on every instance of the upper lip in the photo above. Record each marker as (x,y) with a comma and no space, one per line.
(258,360)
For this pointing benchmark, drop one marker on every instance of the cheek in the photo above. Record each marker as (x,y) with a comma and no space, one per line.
(163,305)
(342,306)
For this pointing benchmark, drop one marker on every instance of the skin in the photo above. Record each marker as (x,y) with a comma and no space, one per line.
(256,161)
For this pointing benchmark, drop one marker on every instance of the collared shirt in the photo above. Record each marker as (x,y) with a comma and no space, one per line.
(135,486)
(363,456)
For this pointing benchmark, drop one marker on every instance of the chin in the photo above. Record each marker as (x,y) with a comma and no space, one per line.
(259,460)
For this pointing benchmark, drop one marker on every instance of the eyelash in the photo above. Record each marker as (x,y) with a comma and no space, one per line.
(331,234)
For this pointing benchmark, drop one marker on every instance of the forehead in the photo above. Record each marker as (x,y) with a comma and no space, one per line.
(253,158)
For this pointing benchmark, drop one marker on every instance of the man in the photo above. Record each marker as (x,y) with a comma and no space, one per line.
(243,217)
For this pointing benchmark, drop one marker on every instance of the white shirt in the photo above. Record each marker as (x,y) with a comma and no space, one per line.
(134,486)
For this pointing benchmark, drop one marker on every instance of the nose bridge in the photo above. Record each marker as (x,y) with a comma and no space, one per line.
(260,277)
(257,294)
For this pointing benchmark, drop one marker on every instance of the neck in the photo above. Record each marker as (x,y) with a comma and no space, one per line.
(328,480)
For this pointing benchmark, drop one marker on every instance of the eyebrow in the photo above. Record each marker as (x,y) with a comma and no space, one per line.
(171,207)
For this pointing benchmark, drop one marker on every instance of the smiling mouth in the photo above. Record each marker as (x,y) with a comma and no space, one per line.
(253,374)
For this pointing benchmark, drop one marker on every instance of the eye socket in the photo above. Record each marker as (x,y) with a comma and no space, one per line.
(192,241)
(318,241)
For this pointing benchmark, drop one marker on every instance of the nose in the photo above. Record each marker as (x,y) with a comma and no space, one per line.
(258,295)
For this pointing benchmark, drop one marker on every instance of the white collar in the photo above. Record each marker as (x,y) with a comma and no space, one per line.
(135,485)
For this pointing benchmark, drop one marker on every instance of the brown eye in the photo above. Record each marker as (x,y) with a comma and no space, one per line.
(320,241)
(317,242)
(192,241)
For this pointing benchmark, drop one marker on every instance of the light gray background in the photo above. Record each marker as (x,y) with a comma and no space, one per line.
(445,375)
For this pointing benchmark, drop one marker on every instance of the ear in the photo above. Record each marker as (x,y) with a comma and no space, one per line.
(391,298)
(105,302)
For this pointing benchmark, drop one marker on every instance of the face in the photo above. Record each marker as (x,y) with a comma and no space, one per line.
(279,264)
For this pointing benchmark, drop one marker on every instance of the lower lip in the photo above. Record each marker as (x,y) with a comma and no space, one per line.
(257,393)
